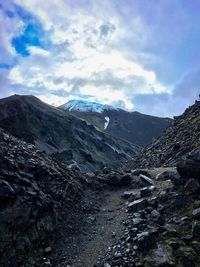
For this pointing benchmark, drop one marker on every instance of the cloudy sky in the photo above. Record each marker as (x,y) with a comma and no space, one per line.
(134,54)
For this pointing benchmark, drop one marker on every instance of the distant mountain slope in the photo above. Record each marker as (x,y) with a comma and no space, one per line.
(134,127)
(181,138)
(63,135)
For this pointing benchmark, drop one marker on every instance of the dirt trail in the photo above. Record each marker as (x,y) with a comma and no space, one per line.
(105,227)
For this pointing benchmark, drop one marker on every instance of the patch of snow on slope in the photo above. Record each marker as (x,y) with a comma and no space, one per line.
(107,120)
(86,106)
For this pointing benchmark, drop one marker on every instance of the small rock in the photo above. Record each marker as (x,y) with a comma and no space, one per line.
(137,172)
(137,205)
(48,249)
(47,262)
(131,195)
(113,234)
(91,219)
(147,191)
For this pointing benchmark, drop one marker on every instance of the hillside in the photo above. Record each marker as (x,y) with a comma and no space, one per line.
(134,127)
(35,193)
(62,135)
(181,138)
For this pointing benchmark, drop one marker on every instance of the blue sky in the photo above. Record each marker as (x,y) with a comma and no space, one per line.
(134,54)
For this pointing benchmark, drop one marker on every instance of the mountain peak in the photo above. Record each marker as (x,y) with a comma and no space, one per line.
(86,106)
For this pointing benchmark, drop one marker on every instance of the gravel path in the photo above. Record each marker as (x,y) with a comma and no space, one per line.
(103,228)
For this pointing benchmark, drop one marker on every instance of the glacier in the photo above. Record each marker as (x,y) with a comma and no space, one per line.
(86,106)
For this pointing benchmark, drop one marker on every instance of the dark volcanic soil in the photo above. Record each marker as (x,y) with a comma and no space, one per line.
(99,230)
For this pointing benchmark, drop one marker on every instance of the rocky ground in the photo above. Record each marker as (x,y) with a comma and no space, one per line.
(54,215)
(149,217)
(162,225)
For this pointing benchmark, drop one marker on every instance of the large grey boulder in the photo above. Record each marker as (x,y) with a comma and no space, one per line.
(190,166)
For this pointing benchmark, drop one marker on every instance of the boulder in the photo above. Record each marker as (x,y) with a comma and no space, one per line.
(166,175)
(147,179)
(192,186)
(147,240)
(160,257)
(196,213)
(190,166)
(187,257)
(196,230)
(125,179)
(172,175)
(117,179)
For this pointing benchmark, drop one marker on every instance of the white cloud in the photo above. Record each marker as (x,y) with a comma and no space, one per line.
(51,99)
(87,57)
(33,50)
(9,28)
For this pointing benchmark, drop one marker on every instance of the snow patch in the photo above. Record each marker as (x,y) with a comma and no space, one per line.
(107,120)
(86,106)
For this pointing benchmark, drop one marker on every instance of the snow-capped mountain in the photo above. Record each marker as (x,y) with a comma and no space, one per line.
(134,127)
(86,106)
(62,135)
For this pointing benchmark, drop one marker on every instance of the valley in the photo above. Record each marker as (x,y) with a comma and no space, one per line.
(132,214)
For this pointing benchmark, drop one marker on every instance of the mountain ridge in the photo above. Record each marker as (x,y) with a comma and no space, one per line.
(60,134)
(134,127)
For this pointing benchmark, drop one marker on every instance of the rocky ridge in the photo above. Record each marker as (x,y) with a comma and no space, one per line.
(179,139)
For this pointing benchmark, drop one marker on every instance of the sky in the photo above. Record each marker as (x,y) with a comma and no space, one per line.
(138,55)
